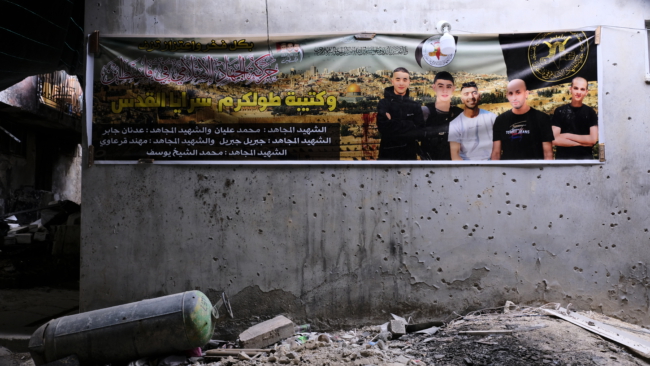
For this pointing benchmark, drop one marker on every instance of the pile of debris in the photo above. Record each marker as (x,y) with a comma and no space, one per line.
(505,336)
(36,252)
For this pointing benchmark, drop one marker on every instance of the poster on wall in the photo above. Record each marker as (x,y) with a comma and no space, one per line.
(337,98)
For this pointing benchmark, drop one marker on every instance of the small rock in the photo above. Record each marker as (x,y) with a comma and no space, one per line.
(468,361)
(292,355)
(437,357)
(384,336)
(381,345)
(311,345)
(272,359)
(324,338)
(397,328)
(284,360)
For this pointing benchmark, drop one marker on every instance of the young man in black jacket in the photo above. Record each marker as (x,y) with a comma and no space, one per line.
(438,115)
(399,120)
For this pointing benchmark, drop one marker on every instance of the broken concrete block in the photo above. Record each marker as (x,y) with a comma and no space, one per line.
(40,236)
(266,333)
(25,238)
(397,328)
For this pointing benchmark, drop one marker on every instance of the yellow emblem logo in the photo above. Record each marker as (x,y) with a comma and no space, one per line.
(555,56)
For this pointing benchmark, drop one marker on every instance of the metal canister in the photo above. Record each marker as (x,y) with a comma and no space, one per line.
(127,332)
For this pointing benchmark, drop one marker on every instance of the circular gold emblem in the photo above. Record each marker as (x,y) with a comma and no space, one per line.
(555,56)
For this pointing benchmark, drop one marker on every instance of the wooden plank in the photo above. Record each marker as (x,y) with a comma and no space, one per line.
(629,340)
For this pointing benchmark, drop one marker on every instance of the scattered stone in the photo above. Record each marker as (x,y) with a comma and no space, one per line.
(381,345)
(468,361)
(397,328)
(324,338)
(292,355)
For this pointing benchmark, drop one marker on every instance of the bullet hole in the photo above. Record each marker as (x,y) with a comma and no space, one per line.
(535,228)
(490,237)
(629,118)
(456,180)
(614,64)
(550,224)
(395,21)
(434,210)
(402,231)
(568,250)
(442,230)
(624,211)
(561,216)
(577,244)
(534,244)
(438,259)
(606,247)
(361,186)
(495,253)
(372,208)
(646,230)
(416,186)
(600,246)
(378,192)
(606,93)
(619,212)
(524,207)
(613,245)
(567,184)
(439,270)
(608,177)
(315,215)
(629,218)
(360,207)
(577,269)
(224,194)
(504,173)
(294,202)
(465,227)
(514,180)
(509,213)
(507,193)
(507,202)
(345,194)
(608,274)
(539,176)
(428,218)
(215,259)
(478,195)
(386,258)
(260,231)
(517,205)
(427,175)
(633,267)
(499,212)
(429,181)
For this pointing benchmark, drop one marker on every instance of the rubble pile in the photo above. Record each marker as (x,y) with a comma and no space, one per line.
(43,250)
(522,336)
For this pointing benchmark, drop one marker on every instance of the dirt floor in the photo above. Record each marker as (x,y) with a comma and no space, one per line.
(535,339)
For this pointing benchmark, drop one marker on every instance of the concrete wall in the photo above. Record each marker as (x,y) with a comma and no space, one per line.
(336,245)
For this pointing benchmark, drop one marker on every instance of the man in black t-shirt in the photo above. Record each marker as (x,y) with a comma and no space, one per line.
(437,116)
(575,125)
(523,132)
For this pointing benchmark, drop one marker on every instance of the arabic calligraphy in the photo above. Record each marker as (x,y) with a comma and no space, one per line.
(251,99)
(158,100)
(186,46)
(191,69)
(219,141)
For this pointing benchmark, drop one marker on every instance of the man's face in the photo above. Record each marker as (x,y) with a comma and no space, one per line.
(444,89)
(579,90)
(470,97)
(517,94)
(283,47)
(296,47)
(401,82)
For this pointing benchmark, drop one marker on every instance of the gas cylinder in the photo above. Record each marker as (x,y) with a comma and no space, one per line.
(127,332)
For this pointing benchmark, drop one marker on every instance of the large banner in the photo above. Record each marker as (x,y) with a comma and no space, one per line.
(339,98)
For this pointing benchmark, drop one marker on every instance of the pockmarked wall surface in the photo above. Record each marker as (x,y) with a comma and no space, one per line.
(336,244)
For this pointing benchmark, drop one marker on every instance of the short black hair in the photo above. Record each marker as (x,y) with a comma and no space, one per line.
(401,69)
(444,75)
(469,84)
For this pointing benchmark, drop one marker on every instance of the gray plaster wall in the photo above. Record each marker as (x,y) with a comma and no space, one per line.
(344,245)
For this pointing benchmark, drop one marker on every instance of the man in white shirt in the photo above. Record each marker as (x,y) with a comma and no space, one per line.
(470,134)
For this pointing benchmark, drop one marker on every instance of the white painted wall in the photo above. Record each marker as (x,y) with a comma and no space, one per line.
(338,245)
